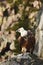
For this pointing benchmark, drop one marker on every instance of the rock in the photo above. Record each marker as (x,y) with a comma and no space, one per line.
(12,46)
(39,36)
(23,61)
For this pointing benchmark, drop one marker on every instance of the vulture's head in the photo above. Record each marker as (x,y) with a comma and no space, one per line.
(20,30)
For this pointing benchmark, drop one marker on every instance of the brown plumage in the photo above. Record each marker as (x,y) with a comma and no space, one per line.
(28,43)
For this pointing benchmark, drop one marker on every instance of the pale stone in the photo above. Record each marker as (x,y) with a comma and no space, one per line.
(12,46)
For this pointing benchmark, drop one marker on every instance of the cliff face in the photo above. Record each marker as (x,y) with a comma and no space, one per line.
(39,35)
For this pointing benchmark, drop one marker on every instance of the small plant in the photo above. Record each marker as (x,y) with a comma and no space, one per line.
(17,45)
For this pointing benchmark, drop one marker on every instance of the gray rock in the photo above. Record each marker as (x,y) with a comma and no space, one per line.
(23,61)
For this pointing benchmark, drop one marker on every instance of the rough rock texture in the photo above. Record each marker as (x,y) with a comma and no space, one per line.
(23,59)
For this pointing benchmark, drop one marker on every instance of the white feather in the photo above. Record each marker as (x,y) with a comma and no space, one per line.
(22,31)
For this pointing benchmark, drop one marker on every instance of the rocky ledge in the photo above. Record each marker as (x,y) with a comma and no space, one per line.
(23,59)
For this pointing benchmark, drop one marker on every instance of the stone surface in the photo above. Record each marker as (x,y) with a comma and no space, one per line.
(26,59)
